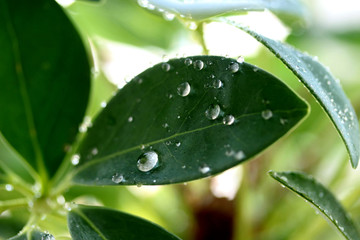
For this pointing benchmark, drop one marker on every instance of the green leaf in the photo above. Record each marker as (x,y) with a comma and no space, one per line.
(323,86)
(200,9)
(45,78)
(149,116)
(34,235)
(9,227)
(316,194)
(124,21)
(102,223)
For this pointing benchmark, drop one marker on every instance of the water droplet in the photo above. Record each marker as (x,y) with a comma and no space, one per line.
(204,169)
(192,25)
(284,178)
(168,16)
(187,61)
(198,65)
(103,104)
(60,200)
(130,119)
(217,83)
(239,155)
(177,144)
(212,112)
(94,151)
(228,120)
(147,161)
(283,121)
(266,114)
(139,80)
(47,236)
(240,59)
(142,147)
(75,159)
(117,178)
(165,125)
(255,69)
(165,67)
(139,185)
(229,153)
(9,187)
(234,67)
(183,89)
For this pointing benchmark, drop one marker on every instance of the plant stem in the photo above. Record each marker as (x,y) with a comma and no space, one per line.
(200,37)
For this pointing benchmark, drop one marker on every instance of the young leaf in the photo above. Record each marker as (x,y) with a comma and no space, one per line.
(316,194)
(34,235)
(323,86)
(102,223)
(44,74)
(200,9)
(186,119)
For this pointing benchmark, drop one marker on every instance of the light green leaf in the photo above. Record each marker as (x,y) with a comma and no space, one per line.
(174,114)
(45,79)
(106,224)
(34,235)
(316,194)
(203,9)
(323,86)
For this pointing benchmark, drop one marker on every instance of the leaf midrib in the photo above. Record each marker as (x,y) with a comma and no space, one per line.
(91,224)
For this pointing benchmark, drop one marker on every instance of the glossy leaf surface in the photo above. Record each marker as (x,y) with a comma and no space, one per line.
(45,81)
(175,113)
(316,194)
(323,86)
(101,223)
(202,9)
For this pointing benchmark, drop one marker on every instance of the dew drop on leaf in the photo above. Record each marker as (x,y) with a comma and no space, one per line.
(266,114)
(94,151)
(130,119)
(75,159)
(9,187)
(240,59)
(117,178)
(147,161)
(47,236)
(198,65)
(103,104)
(239,155)
(165,67)
(234,67)
(187,61)
(204,169)
(168,16)
(212,112)
(217,83)
(177,144)
(183,89)
(228,120)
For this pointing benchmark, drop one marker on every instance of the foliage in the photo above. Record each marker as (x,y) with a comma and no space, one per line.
(187,118)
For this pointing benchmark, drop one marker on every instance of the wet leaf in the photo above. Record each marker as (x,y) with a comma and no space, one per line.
(45,78)
(102,223)
(175,122)
(316,194)
(34,235)
(323,86)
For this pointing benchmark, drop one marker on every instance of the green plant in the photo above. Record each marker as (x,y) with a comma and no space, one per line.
(180,120)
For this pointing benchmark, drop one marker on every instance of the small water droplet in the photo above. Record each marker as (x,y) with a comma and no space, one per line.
(266,114)
(284,178)
(240,59)
(9,187)
(47,236)
(139,80)
(217,83)
(212,112)
(168,16)
(228,120)
(234,67)
(239,155)
(117,178)
(204,169)
(192,25)
(165,125)
(75,159)
(177,144)
(187,61)
(198,65)
(142,147)
(147,161)
(183,89)
(94,151)
(130,119)
(103,104)
(165,67)
(139,185)
(183,167)
(255,69)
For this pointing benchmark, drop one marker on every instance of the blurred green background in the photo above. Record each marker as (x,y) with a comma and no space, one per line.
(243,203)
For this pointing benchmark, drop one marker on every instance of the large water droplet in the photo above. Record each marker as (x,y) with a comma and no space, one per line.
(212,112)
(217,83)
(117,178)
(183,89)
(75,159)
(198,65)
(228,120)
(165,67)
(147,161)
(266,114)
(187,61)
(234,67)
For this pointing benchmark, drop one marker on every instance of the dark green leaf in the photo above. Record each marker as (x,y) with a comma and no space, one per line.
(45,78)
(34,235)
(323,86)
(101,223)
(316,194)
(9,227)
(149,116)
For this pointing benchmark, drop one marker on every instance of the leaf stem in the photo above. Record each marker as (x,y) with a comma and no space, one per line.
(200,37)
